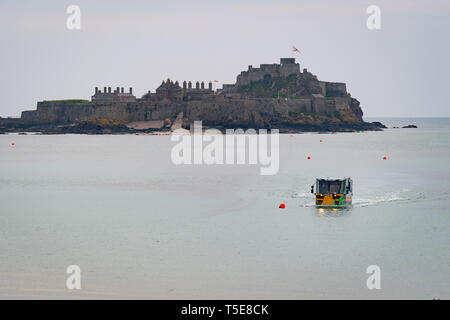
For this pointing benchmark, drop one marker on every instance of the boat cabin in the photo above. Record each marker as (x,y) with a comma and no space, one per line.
(327,186)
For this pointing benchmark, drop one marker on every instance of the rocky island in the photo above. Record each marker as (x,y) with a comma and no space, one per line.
(278,96)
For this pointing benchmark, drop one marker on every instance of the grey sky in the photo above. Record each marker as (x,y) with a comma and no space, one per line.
(400,70)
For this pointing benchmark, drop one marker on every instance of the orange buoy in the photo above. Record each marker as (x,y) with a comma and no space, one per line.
(282,206)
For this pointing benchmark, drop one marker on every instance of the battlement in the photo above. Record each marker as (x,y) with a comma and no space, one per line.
(197,93)
(118,95)
(172,91)
(187,86)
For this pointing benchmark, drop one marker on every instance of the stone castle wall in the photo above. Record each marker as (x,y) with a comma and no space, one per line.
(65,112)
(253,112)
(216,109)
(49,112)
(146,110)
(335,89)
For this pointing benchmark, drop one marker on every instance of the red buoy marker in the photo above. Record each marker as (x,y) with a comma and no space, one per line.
(309,157)
(282,206)
(384,158)
(13,144)
(321,140)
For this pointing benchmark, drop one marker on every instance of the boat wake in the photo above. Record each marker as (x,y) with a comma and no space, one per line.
(307,199)
(389,197)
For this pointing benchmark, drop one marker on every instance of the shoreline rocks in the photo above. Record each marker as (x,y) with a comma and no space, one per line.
(96,128)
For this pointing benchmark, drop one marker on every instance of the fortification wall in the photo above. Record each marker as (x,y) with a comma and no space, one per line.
(66,112)
(245,112)
(146,110)
(288,69)
(335,89)
(300,105)
(10,121)
(341,103)
(212,110)
(323,87)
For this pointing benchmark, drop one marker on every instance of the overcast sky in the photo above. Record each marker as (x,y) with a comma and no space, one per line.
(401,70)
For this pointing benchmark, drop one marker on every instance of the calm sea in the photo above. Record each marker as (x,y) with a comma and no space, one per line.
(140,227)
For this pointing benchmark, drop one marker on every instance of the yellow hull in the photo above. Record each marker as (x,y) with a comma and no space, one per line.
(333,200)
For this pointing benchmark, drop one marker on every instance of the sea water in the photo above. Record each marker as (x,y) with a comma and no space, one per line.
(139,226)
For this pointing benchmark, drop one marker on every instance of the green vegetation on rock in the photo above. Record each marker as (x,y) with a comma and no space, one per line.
(69,101)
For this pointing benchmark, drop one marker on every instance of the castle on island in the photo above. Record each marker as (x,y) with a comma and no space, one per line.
(261,96)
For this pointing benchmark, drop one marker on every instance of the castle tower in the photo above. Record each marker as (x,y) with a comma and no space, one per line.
(96,90)
(104,89)
(287,61)
(203,85)
(210,85)
(131,90)
(121,90)
(184,85)
(190,85)
(288,66)
(197,85)
(109,89)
